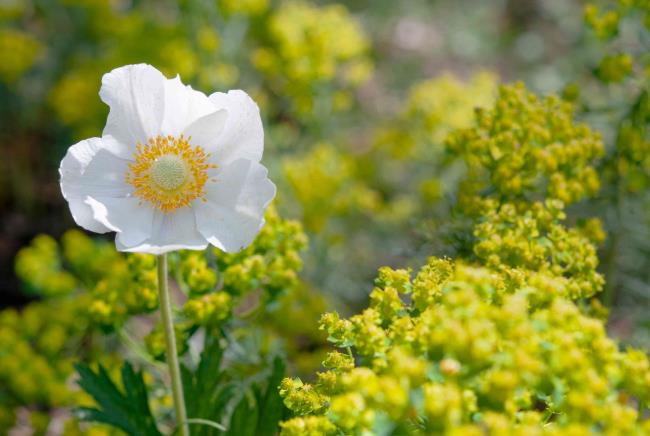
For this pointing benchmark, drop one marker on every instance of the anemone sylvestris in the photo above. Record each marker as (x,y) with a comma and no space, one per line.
(174,168)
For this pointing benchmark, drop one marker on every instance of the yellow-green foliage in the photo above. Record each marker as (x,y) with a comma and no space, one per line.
(525,148)
(325,182)
(629,163)
(604,17)
(299,60)
(115,287)
(433,108)
(395,177)
(19,51)
(530,237)
(113,34)
(474,357)
(614,68)
(120,286)
(618,101)
(500,341)
(604,23)
(37,350)
(97,287)
(480,354)
(312,49)
(407,157)
(39,266)
(632,164)
(269,264)
(497,342)
(297,313)
(245,7)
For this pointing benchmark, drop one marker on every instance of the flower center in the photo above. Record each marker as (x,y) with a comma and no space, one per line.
(168,172)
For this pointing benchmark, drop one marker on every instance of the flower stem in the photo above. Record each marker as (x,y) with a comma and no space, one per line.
(170,342)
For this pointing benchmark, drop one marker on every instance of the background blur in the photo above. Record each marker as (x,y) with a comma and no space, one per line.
(356,96)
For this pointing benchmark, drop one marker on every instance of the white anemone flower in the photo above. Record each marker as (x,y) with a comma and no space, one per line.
(174,168)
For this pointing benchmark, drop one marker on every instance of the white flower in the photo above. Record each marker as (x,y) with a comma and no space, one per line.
(173,169)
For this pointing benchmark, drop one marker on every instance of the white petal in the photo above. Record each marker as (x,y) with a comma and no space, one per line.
(88,168)
(234,211)
(129,217)
(171,231)
(80,154)
(243,134)
(103,177)
(123,151)
(136,96)
(82,214)
(206,130)
(183,106)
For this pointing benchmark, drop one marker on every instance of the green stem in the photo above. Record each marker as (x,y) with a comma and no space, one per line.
(170,342)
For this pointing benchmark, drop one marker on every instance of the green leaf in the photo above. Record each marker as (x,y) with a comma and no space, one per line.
(129,410)
(210,394)
(206,422)
(207,394)
(271,406)
(243,421)
(260,414)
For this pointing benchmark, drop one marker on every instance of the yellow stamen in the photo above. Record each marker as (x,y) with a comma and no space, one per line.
(168,172)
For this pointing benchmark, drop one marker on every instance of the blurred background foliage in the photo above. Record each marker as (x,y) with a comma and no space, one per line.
(358,98)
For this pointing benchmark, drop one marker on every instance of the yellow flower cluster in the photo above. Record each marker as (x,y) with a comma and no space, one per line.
(632,163)
(315,56)
(606,25)
(89,285)
(19,51)
(313,52)
(269,264)
(196,272)
(498,344)
(11,9)
(393,179)
(605,22)
(115,35)
(614,68)
(121,286)
(471,352)
(629,163)
(527,148)
(244,7)
(155,343)
(531,237)
(433,108)
(209,309)
(39,267)
(37,353)
(408,153)
(325,182)
(73,99)
(308,426)
(618,100)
